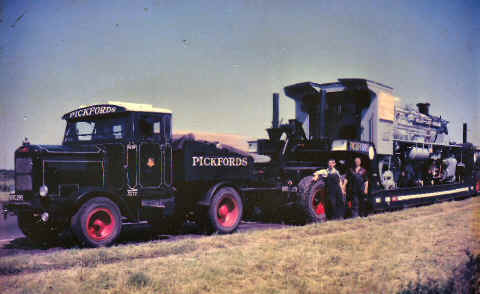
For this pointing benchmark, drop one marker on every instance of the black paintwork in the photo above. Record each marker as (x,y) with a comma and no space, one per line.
(146,164)
(136,166)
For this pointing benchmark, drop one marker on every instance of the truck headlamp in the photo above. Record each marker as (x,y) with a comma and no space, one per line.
(43,191)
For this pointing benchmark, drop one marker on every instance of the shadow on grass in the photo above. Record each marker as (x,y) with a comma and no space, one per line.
(464,280)
(130,234)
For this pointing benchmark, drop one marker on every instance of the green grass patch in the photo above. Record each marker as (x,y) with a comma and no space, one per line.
(139,280)
(383,253)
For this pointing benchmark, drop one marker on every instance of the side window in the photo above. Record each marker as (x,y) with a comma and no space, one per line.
(145,127)
(153,127)
(117,132)
(156,128)
(85,130)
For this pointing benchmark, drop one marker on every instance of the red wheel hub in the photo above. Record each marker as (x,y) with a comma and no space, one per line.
(228,211)
(100,224)
(317,202)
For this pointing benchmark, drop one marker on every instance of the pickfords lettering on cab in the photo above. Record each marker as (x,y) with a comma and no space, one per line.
(94,110)
(219,161)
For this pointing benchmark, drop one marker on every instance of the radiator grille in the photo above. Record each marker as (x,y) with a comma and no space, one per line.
(23,165)
(23,177)
(23,183)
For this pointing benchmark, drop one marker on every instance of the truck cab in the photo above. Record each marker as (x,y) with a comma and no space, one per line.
(136,137)
(117,152)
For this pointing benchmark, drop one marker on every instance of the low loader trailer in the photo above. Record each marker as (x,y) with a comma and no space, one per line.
(119,163)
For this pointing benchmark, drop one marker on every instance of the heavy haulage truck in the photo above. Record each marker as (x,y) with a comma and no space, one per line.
(118,164)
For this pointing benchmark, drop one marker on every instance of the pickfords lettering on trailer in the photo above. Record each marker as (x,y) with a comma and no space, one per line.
(219,161)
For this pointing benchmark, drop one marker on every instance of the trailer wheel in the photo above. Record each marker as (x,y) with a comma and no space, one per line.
(312,200)
(225,211)
(97,223)
(38,232)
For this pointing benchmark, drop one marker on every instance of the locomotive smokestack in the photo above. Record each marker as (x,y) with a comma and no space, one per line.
(275,122)
(423,108)
(464,133)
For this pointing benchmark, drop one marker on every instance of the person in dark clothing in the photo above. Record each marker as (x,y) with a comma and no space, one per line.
(358,188)
(407,176)
(334,191)
(428,175)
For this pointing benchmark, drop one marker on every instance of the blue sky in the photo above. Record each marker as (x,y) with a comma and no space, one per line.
(216,63)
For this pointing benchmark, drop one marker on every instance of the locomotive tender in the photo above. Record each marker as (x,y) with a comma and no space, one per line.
(119,163)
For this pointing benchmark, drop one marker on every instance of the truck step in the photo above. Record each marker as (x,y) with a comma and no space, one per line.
(153,203)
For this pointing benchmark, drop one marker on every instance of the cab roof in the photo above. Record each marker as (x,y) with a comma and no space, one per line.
(98,110)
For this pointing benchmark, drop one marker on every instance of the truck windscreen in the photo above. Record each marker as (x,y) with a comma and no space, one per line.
(95,130)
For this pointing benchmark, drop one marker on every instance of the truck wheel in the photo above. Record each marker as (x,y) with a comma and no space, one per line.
(97,223)
(35,230)
(312,200)
(226,210)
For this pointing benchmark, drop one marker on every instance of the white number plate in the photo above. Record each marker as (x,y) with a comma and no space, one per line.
(15,197)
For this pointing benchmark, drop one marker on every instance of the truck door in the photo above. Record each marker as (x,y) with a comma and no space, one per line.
(151,167)
(155,165)
(155,150)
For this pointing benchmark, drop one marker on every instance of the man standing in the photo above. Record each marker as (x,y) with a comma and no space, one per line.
(334,191)
(358,188)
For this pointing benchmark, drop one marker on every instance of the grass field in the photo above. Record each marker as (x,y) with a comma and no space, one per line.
(378,254)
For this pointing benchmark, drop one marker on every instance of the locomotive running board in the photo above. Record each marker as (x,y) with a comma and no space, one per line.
(431,194)
(414,196)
